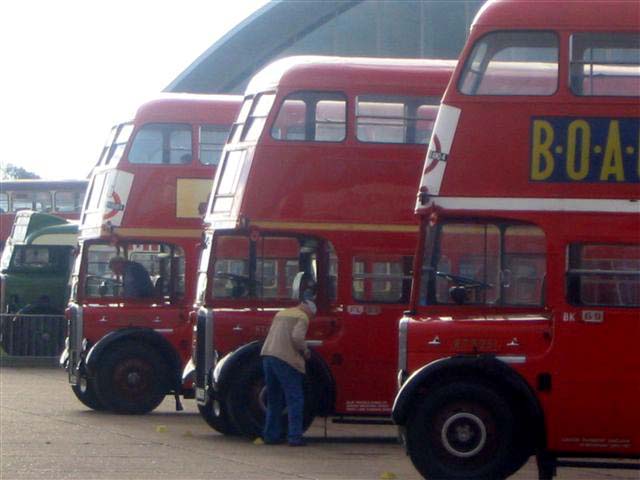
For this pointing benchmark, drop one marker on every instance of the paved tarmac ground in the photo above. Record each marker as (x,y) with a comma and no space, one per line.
(45,433)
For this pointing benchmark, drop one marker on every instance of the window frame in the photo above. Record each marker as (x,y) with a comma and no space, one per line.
(428,287)
(77,195)
(219,129)
(574,63)
(166,129)
(469,60)
(4,200)
(573,291)
(405,278)
(175,252)
(406,120)
(311,123)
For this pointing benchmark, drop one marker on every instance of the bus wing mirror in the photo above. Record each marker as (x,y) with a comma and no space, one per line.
(297,283)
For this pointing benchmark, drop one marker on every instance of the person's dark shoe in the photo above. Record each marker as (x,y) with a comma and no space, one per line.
(297,443)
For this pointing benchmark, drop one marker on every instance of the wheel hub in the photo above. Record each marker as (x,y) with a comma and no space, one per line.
(133,379)
(464,435)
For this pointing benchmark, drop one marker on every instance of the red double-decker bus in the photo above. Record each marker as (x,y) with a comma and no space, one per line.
(313,190)
(522,334)
(140,231)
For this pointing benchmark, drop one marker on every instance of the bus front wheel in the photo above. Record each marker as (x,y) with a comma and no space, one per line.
(217,418)
(131,378)
(246,400)
(85,391)
(463,430)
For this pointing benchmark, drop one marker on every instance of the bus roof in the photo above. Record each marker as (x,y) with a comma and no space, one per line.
(183,107)
(64,234)
(327,73)
(30,227)
(593,15)
(35,185)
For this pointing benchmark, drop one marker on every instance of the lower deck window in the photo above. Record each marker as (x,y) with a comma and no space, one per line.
(381,279)
(604,274)
(267,267)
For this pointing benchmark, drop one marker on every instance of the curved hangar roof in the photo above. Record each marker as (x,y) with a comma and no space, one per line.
(371,28)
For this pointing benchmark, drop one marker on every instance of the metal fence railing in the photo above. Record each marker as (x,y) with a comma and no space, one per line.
(32,335)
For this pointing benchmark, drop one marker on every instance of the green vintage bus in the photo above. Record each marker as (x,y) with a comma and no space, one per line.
(35,264)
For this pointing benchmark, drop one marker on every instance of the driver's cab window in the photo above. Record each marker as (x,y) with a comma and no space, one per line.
(490,264)
(135,271)
(470,256)
(263,268)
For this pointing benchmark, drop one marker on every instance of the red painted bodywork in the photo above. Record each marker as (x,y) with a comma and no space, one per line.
(594,366)
(355,195)
(150,215)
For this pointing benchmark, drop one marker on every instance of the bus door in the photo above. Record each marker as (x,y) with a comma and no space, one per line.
(596,384)
(380,288)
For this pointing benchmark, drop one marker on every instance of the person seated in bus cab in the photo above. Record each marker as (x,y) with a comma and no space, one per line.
(136,282)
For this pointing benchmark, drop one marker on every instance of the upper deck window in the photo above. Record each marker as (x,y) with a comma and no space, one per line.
(116,143)
(68,202)
(258,117)
(212,140)
(162,144)
(4,202)
(312,116)
(605,64)
(120,143)
(395,119)
(94,194)
(512,63)
(107,145)
(231,168)
(38,201)
(236,129)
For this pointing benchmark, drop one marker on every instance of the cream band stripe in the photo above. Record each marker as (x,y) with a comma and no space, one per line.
(342,227)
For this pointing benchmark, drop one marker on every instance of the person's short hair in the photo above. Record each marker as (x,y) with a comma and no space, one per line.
(116,259)
(311,306)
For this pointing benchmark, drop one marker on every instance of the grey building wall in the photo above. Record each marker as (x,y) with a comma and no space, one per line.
(375,28)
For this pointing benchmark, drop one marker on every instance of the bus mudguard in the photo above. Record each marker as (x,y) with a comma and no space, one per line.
(227,364)
(477,368)
(317,369)
(142,335)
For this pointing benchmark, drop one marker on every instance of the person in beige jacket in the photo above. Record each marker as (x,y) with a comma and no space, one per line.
(283,359)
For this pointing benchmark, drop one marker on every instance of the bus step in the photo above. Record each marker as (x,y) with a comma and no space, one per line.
(621,465)
(362,421)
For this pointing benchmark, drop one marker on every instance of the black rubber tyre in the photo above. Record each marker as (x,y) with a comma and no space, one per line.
(85,391)
(463,430)
(131,378)
(217,418)
(246,400)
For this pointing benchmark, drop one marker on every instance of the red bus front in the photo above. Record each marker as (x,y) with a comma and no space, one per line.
(314,186)
(521,336)
(144,206)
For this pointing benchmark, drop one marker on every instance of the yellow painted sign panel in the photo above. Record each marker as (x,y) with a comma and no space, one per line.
(191,197)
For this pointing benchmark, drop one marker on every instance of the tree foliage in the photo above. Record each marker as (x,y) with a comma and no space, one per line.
(15,172)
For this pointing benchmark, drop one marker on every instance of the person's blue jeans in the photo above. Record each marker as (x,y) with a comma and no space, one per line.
(284,383)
